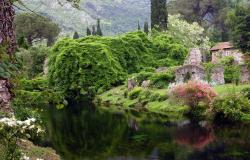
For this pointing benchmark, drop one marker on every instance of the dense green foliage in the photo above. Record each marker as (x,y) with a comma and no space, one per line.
(94,64)
(231,107)
(232,71)
(169,52)
(33,95)
(33,26)
(32,60)
(7,68)
(211,15)
(239,22)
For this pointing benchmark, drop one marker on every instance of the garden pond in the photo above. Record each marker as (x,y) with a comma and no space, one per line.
(83,131)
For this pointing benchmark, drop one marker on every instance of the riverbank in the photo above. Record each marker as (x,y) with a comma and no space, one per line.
(155,100)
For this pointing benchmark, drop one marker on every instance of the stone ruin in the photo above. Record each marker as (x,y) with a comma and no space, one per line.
(244,74)
(217,76)
(5,96)
(192,69)
(189,72)
(194,57)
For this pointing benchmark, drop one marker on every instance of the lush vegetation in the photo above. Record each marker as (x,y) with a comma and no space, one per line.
(94,64)
(132,72)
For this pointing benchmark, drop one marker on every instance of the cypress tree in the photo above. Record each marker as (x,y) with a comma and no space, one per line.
(88,31)
(146,29)
(93,30)
(76,35)
(99,30)
(159,14)
(139,27)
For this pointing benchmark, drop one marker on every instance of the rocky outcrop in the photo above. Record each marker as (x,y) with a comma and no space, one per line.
(5,96)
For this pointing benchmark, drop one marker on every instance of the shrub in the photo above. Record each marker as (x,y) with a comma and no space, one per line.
(134,93)
(209,68)
(162,80)
(232,71)
(140,77)
(194,92)
(231,107)
(232,74)
(246,92)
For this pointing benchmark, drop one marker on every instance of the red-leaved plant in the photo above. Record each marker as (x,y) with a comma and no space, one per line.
(194,92)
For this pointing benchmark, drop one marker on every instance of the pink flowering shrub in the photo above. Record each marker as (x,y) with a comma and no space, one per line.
(194,92)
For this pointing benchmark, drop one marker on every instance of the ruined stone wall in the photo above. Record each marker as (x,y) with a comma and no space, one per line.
(238,56)
(195,72)
(244,74)
(194,57)
(217,76)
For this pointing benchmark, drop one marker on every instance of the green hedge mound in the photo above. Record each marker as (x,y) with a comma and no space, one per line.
(94,64)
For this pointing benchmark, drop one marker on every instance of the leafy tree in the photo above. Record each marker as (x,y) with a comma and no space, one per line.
(33,26)
(146,29)
(209,14)
(159,14)
(76,35)
(192,35)
(88,31)
(239,22)
(99,30)
(93,30)
(138,26)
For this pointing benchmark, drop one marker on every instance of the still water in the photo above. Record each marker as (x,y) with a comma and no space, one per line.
(83,132)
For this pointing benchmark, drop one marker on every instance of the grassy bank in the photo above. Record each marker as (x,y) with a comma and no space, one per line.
(154,100)
(147,100)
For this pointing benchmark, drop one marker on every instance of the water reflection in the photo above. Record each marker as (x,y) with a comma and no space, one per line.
(195,135)
(91,134)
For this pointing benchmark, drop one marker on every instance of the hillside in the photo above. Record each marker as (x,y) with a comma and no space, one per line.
(118,16)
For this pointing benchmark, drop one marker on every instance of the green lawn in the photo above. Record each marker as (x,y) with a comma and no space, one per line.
(230,88)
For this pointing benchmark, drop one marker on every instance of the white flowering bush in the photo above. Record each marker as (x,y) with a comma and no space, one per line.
(190,34)
(12,130)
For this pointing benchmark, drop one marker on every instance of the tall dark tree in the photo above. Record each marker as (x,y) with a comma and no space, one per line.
(239,22)
(99,30)
(76,35)
(146,29)
(159,14)
(93,30)
(139,26)
(88,31)
(7,36)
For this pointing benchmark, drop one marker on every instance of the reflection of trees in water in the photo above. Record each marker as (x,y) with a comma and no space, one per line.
(77,134)
(99,135)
